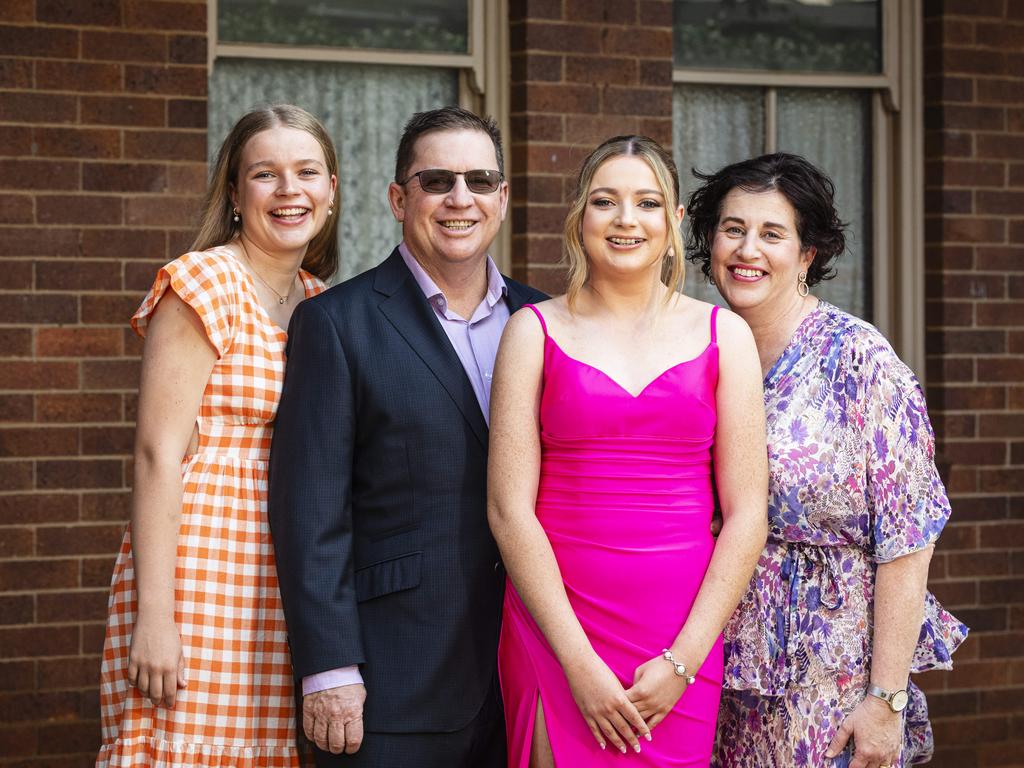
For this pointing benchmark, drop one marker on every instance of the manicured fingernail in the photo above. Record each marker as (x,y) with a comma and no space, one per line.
(830,754)
(623,749)
(636,747)
(647,735)
(602,745)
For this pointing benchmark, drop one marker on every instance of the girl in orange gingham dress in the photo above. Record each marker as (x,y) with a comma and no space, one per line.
(240,689)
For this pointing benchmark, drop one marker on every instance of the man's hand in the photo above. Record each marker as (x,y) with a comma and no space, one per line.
(333,719)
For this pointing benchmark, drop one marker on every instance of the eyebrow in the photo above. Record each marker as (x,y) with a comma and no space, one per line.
(306,161)
(768,224)
(612,191)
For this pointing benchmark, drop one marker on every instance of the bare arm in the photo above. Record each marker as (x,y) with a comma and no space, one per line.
(176,364)
(900,587)
(741,476)
(513,477)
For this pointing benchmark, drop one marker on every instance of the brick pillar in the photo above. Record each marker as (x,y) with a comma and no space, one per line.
(582,71)
(102,161)
(974,153)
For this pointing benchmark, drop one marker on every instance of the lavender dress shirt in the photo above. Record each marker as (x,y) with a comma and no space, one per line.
(476,343)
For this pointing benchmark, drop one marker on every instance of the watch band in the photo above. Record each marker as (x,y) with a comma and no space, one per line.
(897,700)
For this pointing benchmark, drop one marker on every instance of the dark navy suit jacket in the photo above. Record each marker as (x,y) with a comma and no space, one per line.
(377,503)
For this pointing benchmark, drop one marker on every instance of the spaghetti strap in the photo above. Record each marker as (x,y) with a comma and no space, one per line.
(540,317)
(714,324)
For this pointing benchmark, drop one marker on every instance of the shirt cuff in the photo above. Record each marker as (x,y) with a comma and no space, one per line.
(332,678)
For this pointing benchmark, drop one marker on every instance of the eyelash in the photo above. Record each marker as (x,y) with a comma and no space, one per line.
(304,171)
(603,202)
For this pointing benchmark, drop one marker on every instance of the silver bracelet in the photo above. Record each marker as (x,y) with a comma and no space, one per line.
(678,666)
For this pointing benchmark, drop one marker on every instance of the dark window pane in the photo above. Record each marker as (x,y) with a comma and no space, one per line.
(403,25)
(784,35)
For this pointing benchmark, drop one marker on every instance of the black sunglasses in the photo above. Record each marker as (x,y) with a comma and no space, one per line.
(439,181)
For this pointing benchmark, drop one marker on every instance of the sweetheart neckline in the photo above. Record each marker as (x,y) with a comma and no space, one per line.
(649,384)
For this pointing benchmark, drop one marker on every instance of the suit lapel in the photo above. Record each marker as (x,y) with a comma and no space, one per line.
(408,310)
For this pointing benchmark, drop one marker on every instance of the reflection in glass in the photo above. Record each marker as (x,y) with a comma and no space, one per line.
(401,25)
(832,129)
(363,108)
(711,128)
(788,35)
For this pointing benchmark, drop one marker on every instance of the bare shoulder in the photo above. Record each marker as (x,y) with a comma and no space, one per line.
(732,329)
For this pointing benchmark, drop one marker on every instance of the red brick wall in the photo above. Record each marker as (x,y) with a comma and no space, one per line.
(974,155)
(102,156)
(582,70)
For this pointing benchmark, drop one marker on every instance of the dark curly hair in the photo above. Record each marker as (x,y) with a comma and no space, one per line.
(808,190)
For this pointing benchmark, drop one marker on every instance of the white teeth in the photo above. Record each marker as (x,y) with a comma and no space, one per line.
(744,272)
(626,240)
(289,211)
(458,224)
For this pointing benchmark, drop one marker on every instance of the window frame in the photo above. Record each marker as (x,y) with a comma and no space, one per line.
(483,71)
(897,131)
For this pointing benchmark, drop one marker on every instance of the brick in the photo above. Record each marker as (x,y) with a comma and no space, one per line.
(188,49)
(25,575)
(106,505)
(20,10)
(1001,425)
(161,211)
(38,42)
(969,286)
(40,174)
(999,35)
(967,173)
(993,202)
(17,675)
(36,441)
(107,441)
(538,9)
(110,374)
(96,571)
(948,143)
(1000,258)
(940,88)
(64,607)
(86,77)
(653,42)
(79,209)
(77,737)
(18,509)
(20,107)
(16,73)
(948,32)
(105,45)
(186,113)
(124,177)
(69,672)
(1016,235)
(188,178)
(78,342)
(169,80)
(166,16)
(551,281)
(15,374)
(536,67)
(539,219)
(16,209)
(78,407)
(1000,313)
(989,619)
(559,38)
(562,98)
(49,706)
(100,13)
(550,159)
(16,542)
(947,704)
(79,275)
(973,230)
(78,143)
(967,342)
(87,473)
(1003,535)
(1002,481)
(1001,591)
(948,257)
(124,110)
(601,70)
(967,398)
(1000,145)
(92,639)
(537,189)
(974,452)
(949,201)
(15,342)
(946,425)
(657,72)
(33,241)
(956,594)
(1017,174)
(165,145)
(38,308)
(638,101)
(535,127)
(1015,120)
(972,61)
(111,309)
(124,244)
(601,11)
(16,475)
(949,313)
(655,13)
(17,275)
(967,117)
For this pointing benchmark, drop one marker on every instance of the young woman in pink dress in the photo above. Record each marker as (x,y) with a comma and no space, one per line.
(609,405)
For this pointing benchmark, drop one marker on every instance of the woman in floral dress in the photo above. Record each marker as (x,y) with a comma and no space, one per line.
(196,670)
(819,652)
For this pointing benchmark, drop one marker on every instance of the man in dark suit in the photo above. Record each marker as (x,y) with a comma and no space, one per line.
(389,575)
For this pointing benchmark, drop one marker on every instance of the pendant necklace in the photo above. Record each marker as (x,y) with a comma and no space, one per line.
(281,299)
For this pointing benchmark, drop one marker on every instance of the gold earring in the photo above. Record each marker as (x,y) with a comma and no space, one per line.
(801,284)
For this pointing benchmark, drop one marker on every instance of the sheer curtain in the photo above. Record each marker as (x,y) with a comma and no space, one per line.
(363,108)
(717,125)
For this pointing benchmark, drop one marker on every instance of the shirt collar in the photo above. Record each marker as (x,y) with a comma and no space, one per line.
(496,288)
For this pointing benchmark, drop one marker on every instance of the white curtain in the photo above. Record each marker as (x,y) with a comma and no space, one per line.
(363,108)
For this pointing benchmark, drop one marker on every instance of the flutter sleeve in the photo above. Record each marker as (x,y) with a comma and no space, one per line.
(208,282)
(906,499)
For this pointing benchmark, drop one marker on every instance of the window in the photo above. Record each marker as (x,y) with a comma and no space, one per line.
(837,81)
(362,67)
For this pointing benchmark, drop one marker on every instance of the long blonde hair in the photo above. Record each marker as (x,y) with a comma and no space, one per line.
(664,169)
(217,225)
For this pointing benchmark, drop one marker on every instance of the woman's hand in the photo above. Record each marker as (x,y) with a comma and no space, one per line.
(656,689)
(605,706)
(156,665)
(877,733)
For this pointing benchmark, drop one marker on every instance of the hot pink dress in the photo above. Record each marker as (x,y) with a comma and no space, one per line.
(625,499)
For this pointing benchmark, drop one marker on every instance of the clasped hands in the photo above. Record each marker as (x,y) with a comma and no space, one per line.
(622,715)
(333,719)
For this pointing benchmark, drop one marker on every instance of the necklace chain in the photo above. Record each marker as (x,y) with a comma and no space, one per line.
(281,299)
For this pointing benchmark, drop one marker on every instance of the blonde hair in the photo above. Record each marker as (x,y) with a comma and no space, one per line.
(217,225)
(664,169)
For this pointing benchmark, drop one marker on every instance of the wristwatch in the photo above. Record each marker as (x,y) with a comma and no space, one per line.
(679,667)
(897,700)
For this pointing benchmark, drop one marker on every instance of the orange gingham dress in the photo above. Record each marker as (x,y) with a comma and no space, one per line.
(239,707)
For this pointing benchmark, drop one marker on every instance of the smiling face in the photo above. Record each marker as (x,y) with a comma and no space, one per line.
(624,222)
(454,227)
(756,256)
(283,190)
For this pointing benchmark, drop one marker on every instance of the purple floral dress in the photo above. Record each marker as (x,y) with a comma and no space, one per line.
(853,484)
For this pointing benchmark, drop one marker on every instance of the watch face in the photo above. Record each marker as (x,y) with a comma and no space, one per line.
(899,701)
